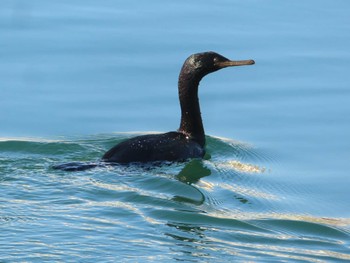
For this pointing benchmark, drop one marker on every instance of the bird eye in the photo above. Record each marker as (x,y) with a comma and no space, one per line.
(215,60)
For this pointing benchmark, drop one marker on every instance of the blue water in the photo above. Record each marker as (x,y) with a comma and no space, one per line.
(77,77)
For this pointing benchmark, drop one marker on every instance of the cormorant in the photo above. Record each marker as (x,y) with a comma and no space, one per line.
(189,140)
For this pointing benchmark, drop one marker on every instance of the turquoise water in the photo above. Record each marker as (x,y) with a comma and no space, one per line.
(77,77)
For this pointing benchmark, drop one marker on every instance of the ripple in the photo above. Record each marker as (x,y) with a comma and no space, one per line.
(228,149)
(227,205)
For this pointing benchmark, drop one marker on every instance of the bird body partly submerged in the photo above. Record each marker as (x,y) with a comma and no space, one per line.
(189,140)
(170,146)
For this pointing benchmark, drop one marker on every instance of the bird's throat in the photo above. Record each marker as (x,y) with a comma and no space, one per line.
(191,120)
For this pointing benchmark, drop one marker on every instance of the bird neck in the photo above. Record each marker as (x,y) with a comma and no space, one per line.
(191,120)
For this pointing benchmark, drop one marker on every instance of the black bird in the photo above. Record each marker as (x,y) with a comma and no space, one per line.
(189,140)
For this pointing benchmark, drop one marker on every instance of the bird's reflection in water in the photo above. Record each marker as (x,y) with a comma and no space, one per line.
(190,240)
(193,171)
(190,174)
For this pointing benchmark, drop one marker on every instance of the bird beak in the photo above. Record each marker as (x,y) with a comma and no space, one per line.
(233,63)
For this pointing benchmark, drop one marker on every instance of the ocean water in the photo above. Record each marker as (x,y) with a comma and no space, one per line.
(77,77)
